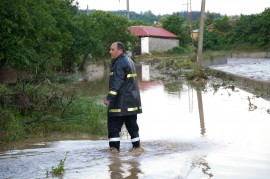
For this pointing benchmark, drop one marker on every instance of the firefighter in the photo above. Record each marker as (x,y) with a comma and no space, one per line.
(123,99)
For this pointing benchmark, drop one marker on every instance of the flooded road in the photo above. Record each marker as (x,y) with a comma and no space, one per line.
(187,134)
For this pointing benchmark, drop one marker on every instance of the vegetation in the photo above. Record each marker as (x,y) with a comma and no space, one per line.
(39,109)
(148,17)
(175,24)
(41,36)
(59,170)
(244,31)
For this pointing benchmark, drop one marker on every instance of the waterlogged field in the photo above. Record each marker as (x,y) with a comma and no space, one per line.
(214,133)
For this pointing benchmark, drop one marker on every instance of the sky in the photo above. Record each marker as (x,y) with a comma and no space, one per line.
(161,7)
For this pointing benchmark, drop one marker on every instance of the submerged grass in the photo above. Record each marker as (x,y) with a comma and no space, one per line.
(41,109)
(59,170)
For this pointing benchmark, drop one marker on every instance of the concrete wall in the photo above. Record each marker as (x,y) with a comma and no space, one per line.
(223,59)
(161,45)
(250,55)
(145,45)
(260,84)
(216,61)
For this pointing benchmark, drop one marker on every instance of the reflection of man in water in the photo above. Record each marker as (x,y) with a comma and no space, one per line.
(124,169)
(123,99)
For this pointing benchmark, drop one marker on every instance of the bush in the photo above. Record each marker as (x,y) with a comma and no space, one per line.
(177,50)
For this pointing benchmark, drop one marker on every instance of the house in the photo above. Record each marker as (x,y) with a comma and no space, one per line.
(195,34)
(153,39)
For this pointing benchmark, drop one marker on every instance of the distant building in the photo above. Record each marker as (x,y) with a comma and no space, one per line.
(195,34)
(153,39)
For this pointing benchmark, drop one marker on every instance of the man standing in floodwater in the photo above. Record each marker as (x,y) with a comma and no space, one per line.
(123,99)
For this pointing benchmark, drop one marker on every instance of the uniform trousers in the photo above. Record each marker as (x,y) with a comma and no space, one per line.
(115,124)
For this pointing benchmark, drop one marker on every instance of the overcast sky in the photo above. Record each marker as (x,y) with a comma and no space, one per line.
(160,7)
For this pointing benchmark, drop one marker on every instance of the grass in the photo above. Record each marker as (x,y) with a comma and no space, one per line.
(59,170)
(39,110)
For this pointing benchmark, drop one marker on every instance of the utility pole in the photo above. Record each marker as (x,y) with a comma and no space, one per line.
(87,11)
(191,23)
(188,17)
(128,10)
(127,14)
(200,43)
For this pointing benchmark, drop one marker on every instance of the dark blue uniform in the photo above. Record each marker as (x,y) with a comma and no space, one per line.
(125,101)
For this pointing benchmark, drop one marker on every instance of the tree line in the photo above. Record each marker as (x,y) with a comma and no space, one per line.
(244,31)
(42,36)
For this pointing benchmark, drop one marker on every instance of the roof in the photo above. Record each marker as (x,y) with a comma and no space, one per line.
(148,31)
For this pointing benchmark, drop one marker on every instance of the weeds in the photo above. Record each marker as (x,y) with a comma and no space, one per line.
(196,74)
(59,170)
(38,109)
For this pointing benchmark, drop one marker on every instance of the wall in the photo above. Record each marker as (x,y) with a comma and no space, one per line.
(161,45)
(145,45)
(250,55)
(150,44)
(216,61)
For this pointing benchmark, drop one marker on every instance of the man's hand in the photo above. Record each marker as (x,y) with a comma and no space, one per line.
(106,102)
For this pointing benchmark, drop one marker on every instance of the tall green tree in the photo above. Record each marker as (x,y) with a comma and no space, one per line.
(29,36)
(102,29)
(210,19)
(65,14)
(222,24)
(175,24)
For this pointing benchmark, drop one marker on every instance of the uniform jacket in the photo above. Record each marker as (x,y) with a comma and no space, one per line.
(124,94)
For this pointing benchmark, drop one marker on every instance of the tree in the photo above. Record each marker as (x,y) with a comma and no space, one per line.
(29,36)
(252,30)
(222,24)
(105,28)
(210,19)
(175,24)
(65,14)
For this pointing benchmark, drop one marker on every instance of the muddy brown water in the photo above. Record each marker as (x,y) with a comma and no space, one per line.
(186,134)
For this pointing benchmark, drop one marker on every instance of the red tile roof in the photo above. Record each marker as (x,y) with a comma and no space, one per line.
(148,31)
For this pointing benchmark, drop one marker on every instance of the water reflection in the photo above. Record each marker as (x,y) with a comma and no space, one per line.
(145,72)
(119,168)
(200,107)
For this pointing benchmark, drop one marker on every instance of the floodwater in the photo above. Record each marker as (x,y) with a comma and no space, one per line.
(248,67)
(186,134)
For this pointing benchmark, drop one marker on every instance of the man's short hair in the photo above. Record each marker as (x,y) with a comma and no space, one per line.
(120,45)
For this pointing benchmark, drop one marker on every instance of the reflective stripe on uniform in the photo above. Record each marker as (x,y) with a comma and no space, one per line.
(113,92)
(131,75)
(116,139)
(135,139)
(132,109)
(128,109)
(114,110)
